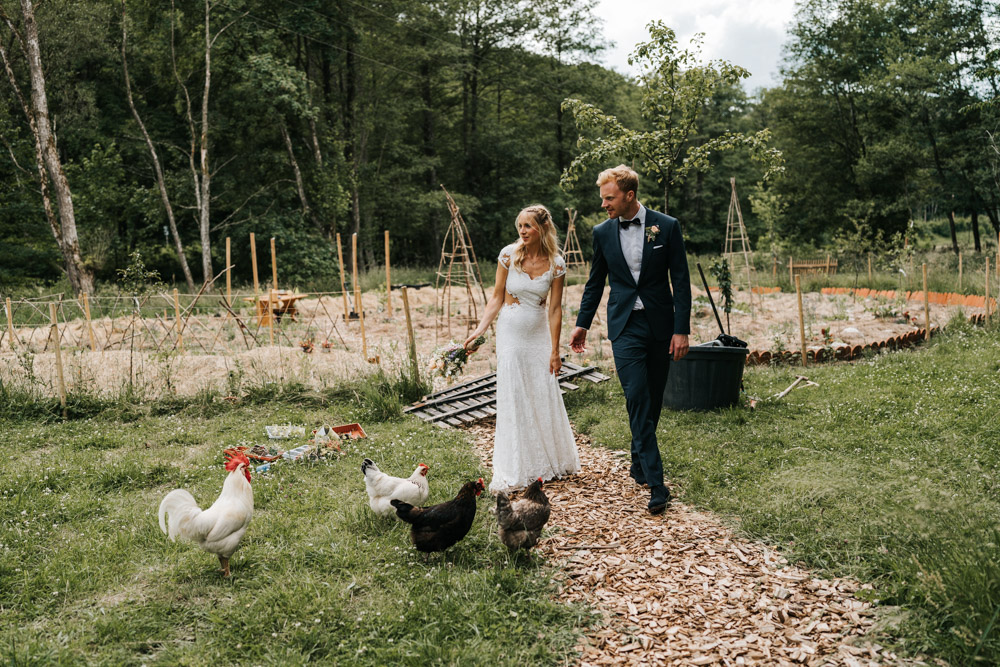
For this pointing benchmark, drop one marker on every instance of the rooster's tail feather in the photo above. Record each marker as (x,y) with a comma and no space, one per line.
(178,506)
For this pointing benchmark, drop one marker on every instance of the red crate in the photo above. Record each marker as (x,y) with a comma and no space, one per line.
(350,431)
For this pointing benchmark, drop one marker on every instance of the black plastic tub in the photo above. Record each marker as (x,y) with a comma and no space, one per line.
(708,377)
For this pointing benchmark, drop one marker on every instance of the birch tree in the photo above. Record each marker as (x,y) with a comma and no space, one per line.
(49,164)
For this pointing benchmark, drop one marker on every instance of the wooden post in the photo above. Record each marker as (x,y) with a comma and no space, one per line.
(274,266)
(960,272)
(10,323)
(927,305)
(414,368)
(229,277)
(802,322)
(774,267)
(358,305)
(791,278)
(828,265)
(253,263)
(987,291)
(90,328)
(177,317)
(270,316)
(869,269)
(59,368)
(343,285)
(388,277)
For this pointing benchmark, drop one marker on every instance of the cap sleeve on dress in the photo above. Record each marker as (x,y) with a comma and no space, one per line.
(560,269)
(504,257)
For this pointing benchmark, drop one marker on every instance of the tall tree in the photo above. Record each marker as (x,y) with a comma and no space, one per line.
(676,87)
(46,151)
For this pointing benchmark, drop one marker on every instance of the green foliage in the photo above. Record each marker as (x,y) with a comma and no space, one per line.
(675,89)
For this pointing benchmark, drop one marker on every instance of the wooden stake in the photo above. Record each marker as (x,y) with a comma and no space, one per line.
(927,305)
(987,291)
(869,268)
(229,276)
(90,328)
(270,316)
(343,285)
(358,306)
(414,368)
(774,267)
(960,272)
(827,265)
(59,368)
(253,262)
(791,278)
(388,277)
(10,323)
(177,317)
(274,266)
(802,322)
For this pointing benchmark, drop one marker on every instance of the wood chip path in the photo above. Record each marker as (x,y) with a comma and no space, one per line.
(680,588)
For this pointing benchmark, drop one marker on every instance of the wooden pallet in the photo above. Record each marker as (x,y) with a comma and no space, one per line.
(476,399)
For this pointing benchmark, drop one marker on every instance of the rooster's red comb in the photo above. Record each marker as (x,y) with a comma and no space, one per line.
(233,460)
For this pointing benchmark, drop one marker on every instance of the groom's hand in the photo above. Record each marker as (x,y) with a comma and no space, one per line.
(578,340)
(678,346)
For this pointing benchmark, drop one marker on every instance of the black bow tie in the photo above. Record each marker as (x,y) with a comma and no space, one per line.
(625,224)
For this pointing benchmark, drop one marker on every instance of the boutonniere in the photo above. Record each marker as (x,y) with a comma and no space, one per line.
(651,233)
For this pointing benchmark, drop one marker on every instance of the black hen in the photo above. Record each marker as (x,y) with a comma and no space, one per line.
(521,522)
(437,527)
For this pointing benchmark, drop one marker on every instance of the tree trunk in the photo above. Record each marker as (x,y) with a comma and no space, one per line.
(307,211)
(80,277)
(206,176)
(160,181)
(43,178)
(975,230)
(954,236)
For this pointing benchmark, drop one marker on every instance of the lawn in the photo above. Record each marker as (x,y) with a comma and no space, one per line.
(87,576)
(887,472)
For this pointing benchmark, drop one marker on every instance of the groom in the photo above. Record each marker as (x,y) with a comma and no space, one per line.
(641,253)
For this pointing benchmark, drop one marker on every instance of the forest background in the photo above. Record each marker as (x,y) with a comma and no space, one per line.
(166,127)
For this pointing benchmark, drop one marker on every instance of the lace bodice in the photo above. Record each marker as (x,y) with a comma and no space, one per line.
(524,288)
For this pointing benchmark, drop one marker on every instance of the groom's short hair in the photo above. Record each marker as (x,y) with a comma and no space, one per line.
(623,176)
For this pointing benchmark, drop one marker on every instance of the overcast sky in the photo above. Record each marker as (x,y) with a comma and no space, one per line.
(749,33)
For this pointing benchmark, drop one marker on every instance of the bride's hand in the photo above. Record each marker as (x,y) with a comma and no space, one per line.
(470,343)
(555,362)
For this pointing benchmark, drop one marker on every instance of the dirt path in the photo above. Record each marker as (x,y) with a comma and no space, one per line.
(681,589)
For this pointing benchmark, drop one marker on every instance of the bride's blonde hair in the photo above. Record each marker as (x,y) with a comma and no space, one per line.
(541,219)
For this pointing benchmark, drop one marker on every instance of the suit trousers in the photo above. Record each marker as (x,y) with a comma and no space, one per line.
(642,364)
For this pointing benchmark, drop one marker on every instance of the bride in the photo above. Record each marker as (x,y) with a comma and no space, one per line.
(533,437)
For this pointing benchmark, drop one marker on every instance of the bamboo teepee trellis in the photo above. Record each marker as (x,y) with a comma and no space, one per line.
(736,233)
(572,254)
(458,269)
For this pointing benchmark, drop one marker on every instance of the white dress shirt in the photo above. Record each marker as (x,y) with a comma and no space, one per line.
(632,242)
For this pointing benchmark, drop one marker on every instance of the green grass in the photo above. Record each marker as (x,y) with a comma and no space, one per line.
(888,472)
(86,576)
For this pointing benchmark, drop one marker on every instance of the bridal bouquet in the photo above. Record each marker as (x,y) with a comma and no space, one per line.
(449,360)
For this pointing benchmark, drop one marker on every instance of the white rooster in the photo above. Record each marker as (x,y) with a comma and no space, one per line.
(219,529)
(382,488)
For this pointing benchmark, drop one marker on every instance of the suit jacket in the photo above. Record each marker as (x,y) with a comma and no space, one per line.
(664,263)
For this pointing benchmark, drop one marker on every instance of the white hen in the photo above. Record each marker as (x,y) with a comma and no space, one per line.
(219,529)
(382,488)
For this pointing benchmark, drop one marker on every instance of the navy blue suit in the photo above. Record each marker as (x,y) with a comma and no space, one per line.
(640,339)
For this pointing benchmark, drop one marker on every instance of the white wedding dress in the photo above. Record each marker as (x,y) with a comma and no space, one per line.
(533,437)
